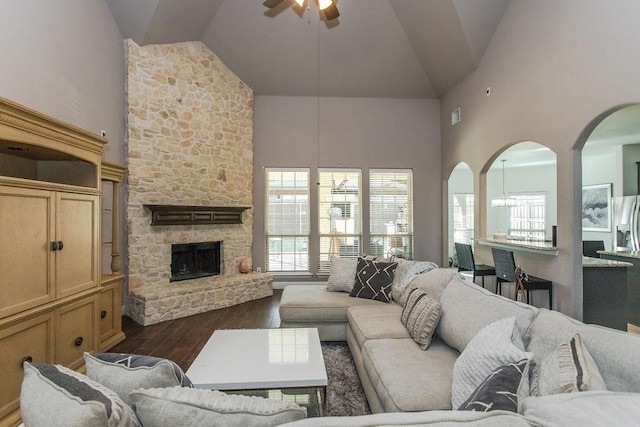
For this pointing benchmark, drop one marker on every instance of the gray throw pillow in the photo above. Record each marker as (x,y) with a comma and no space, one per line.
(497,344)
(342,275)
(406,271)
(502,390)
(175,406)
(420,316)
(53,395)
(568,369)
(374,280)
(124,373)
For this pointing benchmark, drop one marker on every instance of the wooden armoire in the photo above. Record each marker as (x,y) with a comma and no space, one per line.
(55,303)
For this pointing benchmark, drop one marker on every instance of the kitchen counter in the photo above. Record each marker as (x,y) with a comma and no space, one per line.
(540,247)
(604,292)
(589,262)
(621,254)
(633,281)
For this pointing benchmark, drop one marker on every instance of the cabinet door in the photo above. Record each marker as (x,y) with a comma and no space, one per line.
(30,339)
(26,232)
(77,227)
(76,331)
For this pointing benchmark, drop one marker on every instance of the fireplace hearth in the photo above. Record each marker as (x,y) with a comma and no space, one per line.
(194,260)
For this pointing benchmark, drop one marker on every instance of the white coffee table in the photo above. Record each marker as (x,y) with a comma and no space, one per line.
(260,359)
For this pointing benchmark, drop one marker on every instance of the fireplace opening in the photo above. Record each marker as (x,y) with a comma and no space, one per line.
(194,260)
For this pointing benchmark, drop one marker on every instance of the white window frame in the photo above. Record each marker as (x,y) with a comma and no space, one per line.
(298,236)
(527,219)
(463,217)
(338,235)
(391,213)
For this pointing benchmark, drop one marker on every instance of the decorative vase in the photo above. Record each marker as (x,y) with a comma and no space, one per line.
(245,266)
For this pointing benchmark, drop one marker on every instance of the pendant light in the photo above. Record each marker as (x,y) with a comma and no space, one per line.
(504,201)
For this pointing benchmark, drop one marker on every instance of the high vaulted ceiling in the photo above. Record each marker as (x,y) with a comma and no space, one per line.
(376,48)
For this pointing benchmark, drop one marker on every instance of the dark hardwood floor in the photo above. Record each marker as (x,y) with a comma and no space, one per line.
(182,339)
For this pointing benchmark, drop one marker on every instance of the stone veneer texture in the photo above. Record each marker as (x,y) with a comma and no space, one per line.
(189,142)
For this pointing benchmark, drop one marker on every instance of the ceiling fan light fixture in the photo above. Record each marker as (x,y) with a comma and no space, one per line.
(323,4)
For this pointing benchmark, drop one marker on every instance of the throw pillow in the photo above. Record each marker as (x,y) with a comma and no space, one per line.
(497,344)
(124,373)
(503,389)
(569,369)
(53,395)
(406,272)
(342,275)
(175,406)
(373,280)
(420,316)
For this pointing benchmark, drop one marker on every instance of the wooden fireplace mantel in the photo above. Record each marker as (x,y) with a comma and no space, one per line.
(195,215)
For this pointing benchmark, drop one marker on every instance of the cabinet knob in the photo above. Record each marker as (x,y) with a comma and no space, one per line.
(78,341)
(60,245)
(26,359)
(103,314)
(54,246)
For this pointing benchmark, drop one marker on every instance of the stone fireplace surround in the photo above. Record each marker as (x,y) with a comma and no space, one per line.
(189,142)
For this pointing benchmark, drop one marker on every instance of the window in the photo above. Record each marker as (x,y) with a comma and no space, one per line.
(287,219)
(463,218)
(391,212)
(339,217)
(526,218)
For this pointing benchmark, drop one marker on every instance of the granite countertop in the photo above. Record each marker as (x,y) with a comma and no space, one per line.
(599,263)
(623,254)
(542,247)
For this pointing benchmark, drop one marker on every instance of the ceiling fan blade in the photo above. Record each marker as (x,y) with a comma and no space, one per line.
(272,3)
(331,12)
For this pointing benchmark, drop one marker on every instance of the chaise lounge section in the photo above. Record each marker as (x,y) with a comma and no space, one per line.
(399,377)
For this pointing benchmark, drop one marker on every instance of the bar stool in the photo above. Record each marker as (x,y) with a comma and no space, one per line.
(506,272)
(590,248)
(467,263)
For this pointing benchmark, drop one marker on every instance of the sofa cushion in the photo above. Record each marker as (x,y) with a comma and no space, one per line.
(53,395)
(374,280)
(342,275)
(586,409)
(420,316)
(501,390)
(382,322)
(313,304)
(432,282)
(420,419)
(176,406)
(619,367)
(568,369)
(124,373)
(407,378)
(495,345)
(467,308)
(406,271)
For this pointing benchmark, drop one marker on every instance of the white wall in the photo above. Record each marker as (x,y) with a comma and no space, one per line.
(65,58)
(553,68)
(354,132)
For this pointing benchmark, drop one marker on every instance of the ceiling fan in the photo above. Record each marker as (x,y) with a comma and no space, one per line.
(328,7)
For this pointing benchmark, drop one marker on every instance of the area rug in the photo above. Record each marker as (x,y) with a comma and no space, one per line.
(345,395)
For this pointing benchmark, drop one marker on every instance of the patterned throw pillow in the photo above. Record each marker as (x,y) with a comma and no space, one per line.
(501,390)
(342,275)
(176,406)
(568,369)
(53,395)
(420,316)
(374,280)
(124,373)
(497,344)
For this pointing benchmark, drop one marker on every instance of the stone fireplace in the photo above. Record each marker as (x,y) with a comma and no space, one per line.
(189,143)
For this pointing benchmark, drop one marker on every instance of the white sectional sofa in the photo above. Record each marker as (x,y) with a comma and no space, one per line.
(402,381)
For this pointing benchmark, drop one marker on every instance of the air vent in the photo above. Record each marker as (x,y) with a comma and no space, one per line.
(455,116)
